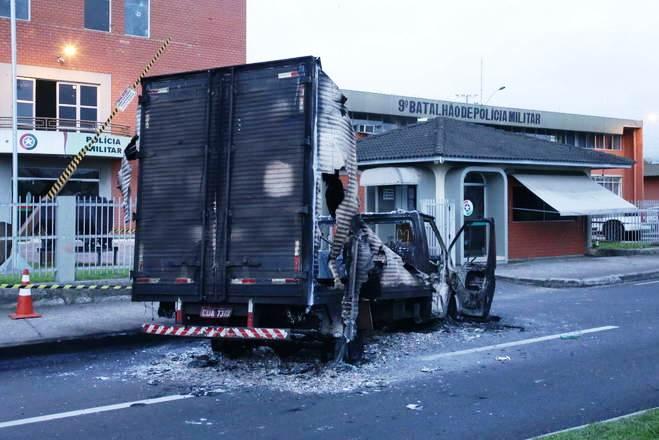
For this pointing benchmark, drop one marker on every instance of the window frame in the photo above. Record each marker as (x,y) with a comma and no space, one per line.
(84,24)
(29,12)
(77,106)
(148,21)
(33,102)
(614,179)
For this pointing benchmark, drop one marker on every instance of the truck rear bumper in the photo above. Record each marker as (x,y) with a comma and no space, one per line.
(193,331)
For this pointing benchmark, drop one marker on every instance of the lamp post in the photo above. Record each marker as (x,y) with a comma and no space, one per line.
(494,93)
(14,137)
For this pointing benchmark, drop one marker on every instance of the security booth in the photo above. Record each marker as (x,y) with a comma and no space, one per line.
(539,193)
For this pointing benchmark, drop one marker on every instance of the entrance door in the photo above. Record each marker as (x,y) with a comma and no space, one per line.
(474,208)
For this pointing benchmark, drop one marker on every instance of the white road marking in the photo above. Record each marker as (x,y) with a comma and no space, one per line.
(647,282)
(433,357)
(95,410)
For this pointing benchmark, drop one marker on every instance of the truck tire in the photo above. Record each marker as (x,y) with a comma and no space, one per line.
(339,350)
(613,230)
(229,348)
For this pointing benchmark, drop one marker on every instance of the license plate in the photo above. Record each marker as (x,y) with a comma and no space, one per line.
(215,312)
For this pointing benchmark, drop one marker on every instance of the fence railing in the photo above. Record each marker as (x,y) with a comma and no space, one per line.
(639,226)
(92,238)
(61,124)
(444,213)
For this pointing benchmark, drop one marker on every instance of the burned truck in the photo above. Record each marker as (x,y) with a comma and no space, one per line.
(248,224)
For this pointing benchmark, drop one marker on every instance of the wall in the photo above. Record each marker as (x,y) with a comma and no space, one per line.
(205,33)
(651,187)
(544,239)
(632,178)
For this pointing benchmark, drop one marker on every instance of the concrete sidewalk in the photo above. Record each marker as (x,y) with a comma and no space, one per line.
(581,271)
(75,322)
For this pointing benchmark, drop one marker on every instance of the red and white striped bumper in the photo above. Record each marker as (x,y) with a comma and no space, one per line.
(216,332)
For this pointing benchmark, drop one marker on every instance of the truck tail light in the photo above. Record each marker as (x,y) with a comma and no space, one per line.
(297,266)
(285,280)
(147,280)
(183,280)
(243,281)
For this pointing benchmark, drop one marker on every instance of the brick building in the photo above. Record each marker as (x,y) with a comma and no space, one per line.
(75,57)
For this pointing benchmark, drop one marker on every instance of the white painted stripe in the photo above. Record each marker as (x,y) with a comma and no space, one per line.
(646,283)
(614,419)
(24,292)
(433,357)
(95,410)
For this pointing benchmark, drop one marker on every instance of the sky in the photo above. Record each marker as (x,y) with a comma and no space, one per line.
(596,57)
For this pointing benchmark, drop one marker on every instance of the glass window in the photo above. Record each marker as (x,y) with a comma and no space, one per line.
(67,94)
(411,197)
(616,142)
(527,207)
(22,9)
(36,182)
(97,15)
(136,17)
(77,105)
(25,102)
(612,183)
(88,95)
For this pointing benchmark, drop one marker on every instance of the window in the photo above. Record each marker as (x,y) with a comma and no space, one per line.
(527,207)
(25,102)
(411,197)
(612,183)
(97,15)
(77,105)
(136,17)
(36,182)
(22,9)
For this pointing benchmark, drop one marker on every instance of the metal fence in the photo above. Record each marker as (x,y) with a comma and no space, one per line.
(102,242)
(444,213)
(639,226)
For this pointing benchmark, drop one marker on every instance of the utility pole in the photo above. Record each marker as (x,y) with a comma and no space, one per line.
(14,137)
(481,94)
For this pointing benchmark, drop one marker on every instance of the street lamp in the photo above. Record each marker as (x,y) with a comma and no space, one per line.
(494,93)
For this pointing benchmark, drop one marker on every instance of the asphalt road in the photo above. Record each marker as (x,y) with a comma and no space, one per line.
(543,383)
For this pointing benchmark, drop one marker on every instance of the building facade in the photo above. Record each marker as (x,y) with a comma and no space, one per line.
(74,59)
(540,193)
(374,113)
(651,182)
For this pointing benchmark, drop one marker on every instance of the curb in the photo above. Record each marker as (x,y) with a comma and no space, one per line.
(598,252)
(562,283)
(69,296)
(77,343)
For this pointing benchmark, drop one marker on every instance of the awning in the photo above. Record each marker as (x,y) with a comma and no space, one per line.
(390,176)
(574,195)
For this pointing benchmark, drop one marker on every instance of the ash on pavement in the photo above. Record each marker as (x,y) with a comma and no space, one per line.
(390,357)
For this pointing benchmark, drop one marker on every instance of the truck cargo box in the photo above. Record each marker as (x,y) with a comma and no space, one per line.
(231,167)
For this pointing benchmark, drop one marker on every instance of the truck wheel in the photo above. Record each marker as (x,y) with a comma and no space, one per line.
(613,230)
(286,349)
(230,349)
(349,352)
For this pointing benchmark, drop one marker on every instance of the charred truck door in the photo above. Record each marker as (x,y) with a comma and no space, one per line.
(225,200)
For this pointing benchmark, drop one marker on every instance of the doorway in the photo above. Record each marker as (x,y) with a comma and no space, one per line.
(473,207)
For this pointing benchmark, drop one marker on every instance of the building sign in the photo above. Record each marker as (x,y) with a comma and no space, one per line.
(468,112)
(63,143)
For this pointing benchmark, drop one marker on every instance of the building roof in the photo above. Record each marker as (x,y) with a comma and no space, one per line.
(447,139)
(651,169)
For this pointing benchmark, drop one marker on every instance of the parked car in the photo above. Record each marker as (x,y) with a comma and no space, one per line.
(623,227)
